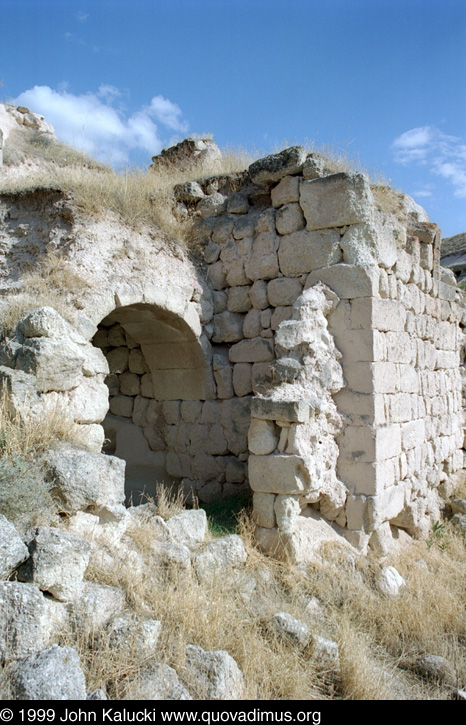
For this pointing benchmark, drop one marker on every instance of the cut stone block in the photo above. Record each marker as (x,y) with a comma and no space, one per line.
(291,411)
(256,349)
(280,474)
(262,438)
(304,251)
(336,200)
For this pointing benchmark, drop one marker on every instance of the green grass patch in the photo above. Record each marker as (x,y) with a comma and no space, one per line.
(223,514)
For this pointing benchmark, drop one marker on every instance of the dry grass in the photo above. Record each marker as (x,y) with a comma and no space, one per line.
(52,283)
(379,638)
(25,498)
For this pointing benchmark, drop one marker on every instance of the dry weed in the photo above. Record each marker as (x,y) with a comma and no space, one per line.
(52,283)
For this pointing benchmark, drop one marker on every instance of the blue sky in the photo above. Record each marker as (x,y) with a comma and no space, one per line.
(384,80)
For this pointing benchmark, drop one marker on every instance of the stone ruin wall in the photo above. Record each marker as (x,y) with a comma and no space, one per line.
(387,313)
(316,357)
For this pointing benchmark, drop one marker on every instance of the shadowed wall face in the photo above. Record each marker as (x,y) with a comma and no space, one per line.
(164,420)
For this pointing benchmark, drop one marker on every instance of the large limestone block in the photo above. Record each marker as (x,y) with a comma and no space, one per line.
(263,513)
(272,168)
(89,401)
(336,200)
(219,557)
(304,544)
(255,349)
(283,291)
(262,438)
(291,411)
(228,327)
(129,631)
(303,251)
(26,620)
(214,675)
(291,629)
(96,606)
(189,527)
(290,219)
(347,280)
(280,474)
(157,682)
(53,674)
(262,262)
(45,322)
(12,549)
(286,191)
(57,563)
(56,364)
(82,479)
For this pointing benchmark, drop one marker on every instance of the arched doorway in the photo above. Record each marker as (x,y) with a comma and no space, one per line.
(160,376)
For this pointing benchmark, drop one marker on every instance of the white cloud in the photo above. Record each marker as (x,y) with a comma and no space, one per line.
(91,121)
(445,155)
(82,17)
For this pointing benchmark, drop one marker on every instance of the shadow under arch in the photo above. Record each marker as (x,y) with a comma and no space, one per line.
(156,361)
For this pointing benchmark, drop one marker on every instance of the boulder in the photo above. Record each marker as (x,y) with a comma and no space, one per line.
(272,168)
(53,674)
(188,154)
(171,554)
(56,363)
(157,682)
(214,675)
(12,549)
(219,556)
(390,581)
(82,479)
(436,668)
(189,527)
(130,632)
(96,606)
(287,627)
(57,563)
(26,620)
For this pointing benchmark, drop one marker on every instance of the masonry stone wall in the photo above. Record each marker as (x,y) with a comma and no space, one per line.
(312,351)
(357,410)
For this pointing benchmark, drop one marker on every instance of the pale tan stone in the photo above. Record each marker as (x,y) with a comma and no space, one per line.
(254,350)
(263,262)
(336,200)
(258,295)
(238,299)
(263,512)
(122,405)
(279,474)
(262,438)
(242,382)
(303,251)
(289,219)
(283,291)
(130,384)
(286,191)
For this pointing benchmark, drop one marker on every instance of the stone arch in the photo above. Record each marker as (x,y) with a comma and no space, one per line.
(158,360)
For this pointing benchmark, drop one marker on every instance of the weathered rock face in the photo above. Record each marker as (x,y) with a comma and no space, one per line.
(315,355)
(188,154)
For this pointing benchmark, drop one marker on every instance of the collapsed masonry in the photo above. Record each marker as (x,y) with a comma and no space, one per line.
(313,354)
